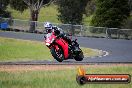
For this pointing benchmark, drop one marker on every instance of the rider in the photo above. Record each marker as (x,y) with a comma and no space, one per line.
(58,31)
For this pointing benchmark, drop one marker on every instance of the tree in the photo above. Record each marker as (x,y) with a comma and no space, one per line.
(90,8)
(3,6)
(33,5)
(71,11)
(110,13)
(130,4)
(18,5)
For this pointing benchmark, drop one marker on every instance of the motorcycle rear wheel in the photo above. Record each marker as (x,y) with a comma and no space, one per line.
(79,57)
(58,55)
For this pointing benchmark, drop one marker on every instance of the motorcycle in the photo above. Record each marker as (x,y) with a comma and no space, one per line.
(61,50)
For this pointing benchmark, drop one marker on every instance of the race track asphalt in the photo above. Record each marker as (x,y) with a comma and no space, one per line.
(120,50)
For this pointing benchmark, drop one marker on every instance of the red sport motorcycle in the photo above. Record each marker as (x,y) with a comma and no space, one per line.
(61,50)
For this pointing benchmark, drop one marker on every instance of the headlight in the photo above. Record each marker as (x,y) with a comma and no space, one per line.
(47,44)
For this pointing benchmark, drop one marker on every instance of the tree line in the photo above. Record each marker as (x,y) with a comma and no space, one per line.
(106,13)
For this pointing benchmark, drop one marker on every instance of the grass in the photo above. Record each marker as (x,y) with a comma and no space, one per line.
(14,49)
(22,50)
(48,13)
(90,52)
(60,78)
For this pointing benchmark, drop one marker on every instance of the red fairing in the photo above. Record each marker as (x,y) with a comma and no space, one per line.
(64,45)
(50,37)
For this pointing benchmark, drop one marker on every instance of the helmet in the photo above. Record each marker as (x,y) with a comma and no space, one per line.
(48,26)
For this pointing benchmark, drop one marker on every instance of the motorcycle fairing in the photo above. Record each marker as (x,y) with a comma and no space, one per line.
(64,46)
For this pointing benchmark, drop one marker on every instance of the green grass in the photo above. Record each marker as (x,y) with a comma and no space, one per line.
(14,49)
(21,50)
(48,13)
(87,20)
(59,79)
(90,52)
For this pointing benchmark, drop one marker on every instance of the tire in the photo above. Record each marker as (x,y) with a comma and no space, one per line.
(79,57)
(54,54)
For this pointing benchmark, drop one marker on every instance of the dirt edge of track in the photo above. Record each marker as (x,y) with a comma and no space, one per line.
(21,68)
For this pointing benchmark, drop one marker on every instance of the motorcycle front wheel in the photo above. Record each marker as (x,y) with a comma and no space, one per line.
(57,54)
